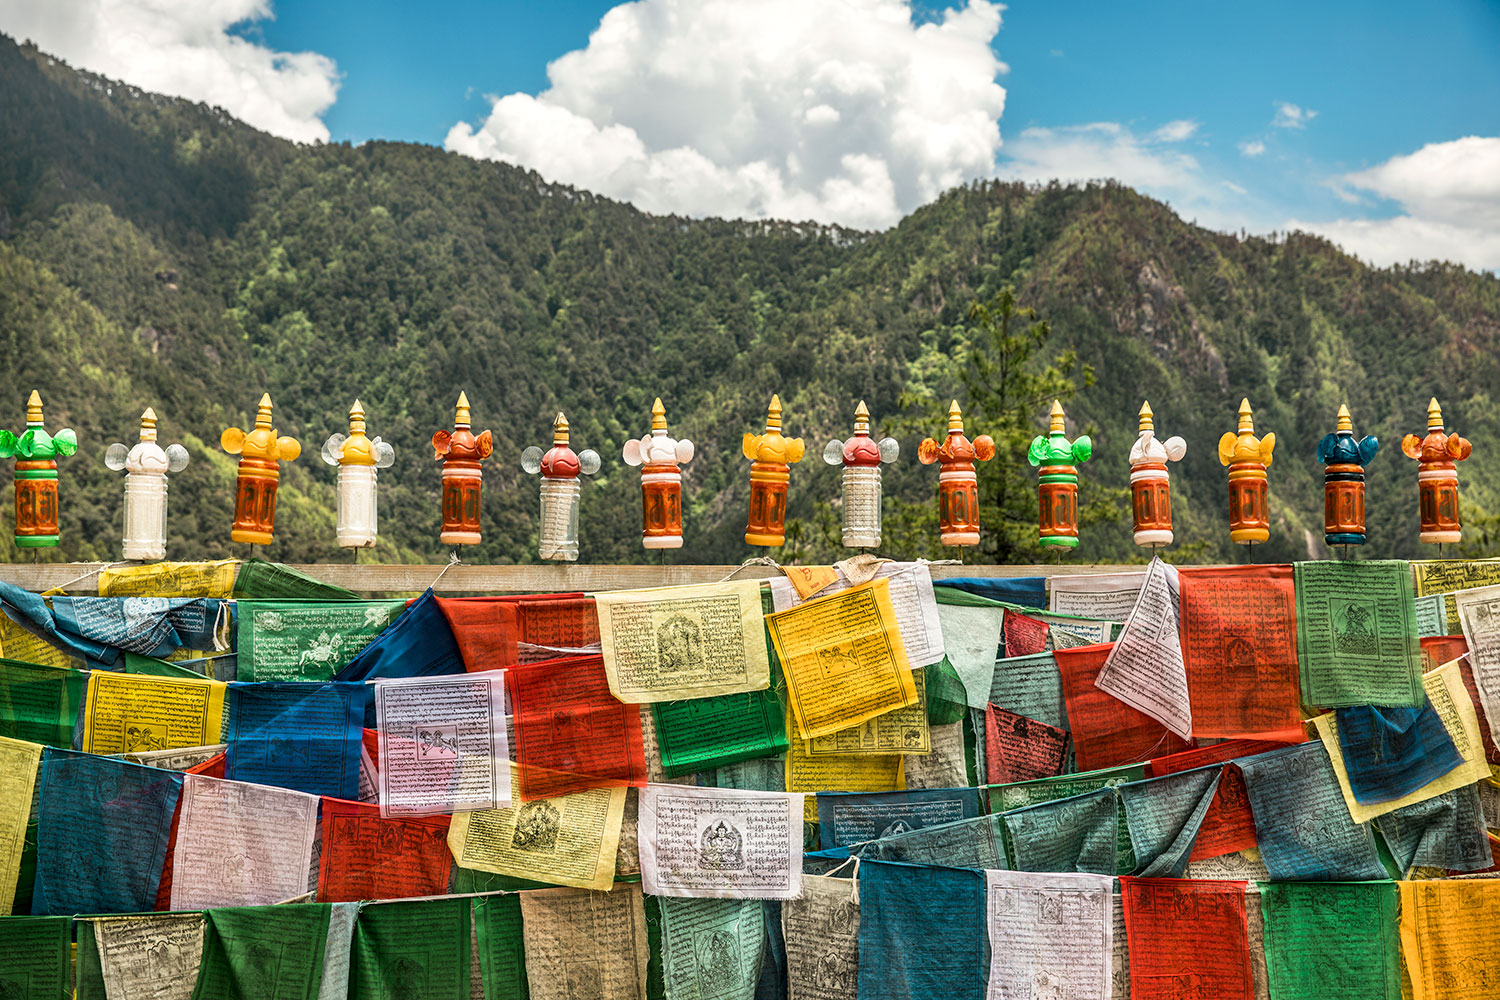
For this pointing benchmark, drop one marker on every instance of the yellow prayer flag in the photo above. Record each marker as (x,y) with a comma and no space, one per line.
(808,580)
(18,644)
(130,713)
(842,773)
(170,579)
(18,763)
(843,658)
(1450,938)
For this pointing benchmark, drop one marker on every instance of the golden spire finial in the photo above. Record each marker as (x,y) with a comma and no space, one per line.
(34,408)
(1247,424)
(1434,414)
(955,418)
(1056,426)
(357,418)
(658,416)
(263,411)
(773,413)
(148,425)
(461,412)
(1147,423)
(559,430)
(861,418)
(1345,422)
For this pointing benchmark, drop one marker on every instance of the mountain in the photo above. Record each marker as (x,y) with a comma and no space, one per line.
(158,252)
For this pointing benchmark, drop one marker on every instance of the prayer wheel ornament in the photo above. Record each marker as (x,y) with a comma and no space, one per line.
(660,455)
(146,465)
(1344,460)
(1437,456)
(461,452)
(357,457)
(35,452)
(771,458)
(1150,484)
(261,453)
(1057,480)
(861,457)
(560,468)
(958,484)
(1247,457)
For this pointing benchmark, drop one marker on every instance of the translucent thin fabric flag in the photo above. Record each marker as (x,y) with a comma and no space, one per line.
(1391,752)
(406,951)
(921,932)
(1106,731)
(303,736)
(365,856)
(571,733)
(1187,931)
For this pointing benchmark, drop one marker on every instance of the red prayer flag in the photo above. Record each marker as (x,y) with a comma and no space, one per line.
(492,632)
(366,856)
(1106,731)
(1018,749)
(1239,643)
(214,768)
(1439,649)
(1024,635)
(571,733)
(1228,826)
(1187,938)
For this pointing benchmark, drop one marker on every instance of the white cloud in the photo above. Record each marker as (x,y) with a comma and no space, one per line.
(1252,147)
(834,110)
(1175,131)
(1449,193)
(184,48)
(1289,115)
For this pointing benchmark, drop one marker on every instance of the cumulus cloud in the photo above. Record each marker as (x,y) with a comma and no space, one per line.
(846,111)
(1252,147)
(1175,131)
(1449,199)
(1289,115)
(184,48)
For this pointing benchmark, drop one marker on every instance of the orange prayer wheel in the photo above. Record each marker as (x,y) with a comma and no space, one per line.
(261,453)
(1247,457)
(1437,455)
(660,456)
(461,451)
(958,483)
(1150,485)
(771,456)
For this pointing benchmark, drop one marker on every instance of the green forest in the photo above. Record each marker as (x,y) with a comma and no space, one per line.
(156,252)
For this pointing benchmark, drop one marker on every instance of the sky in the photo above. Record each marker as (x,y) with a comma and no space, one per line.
(1374,123)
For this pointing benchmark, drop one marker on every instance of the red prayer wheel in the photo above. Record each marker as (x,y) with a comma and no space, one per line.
(958,483)
(461,451)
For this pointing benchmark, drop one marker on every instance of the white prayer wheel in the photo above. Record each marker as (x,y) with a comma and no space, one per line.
(146,466)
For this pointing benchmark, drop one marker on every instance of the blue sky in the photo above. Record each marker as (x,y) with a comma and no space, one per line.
(1346,118)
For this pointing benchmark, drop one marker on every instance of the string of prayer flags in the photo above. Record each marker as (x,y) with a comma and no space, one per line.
(1239,645)
(1164,816)
(719,842)
(673,643)
(418,643)
(265,951)
(367,856)
(1049,934)
(1106,731)
(35,959)
(442,743)
(585,944)
(1080,833)
(1357,634)
(566,840)
(299,735)
(1446,831)
(19,762)
(306,641)
(1391,752)
(943,954)
(571,733)
(102,832)
(1301,832)
(965,843)
(411,950)
(1451,702)
(1145,668)
(712,948)
(1450,937)
(821,931)
(1018,749)
(502,952)
(1331,940)
(1187,931)
(239,844)
(127,713)
(1228,825)
(854,817)
(844,659)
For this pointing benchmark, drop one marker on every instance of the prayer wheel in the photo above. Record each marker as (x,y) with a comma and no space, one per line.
(660,456)
(146,465)
(1437,455)
(1247,457)
(861,456)
(771,458)
(958,484)
(1344,460)
(261,453)
(461,451)
(1057,480)
(560,468)
(1150,483)
(357,458)
(35,452)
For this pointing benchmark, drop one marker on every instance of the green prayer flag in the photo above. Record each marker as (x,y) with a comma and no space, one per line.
(1331,940)
(1357,639)
(502,951)
(705,733)
(306,640)
(711,948)
(34,959)
(275,952)
(135,663)
(412,950)
(270,580)
(39,704)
